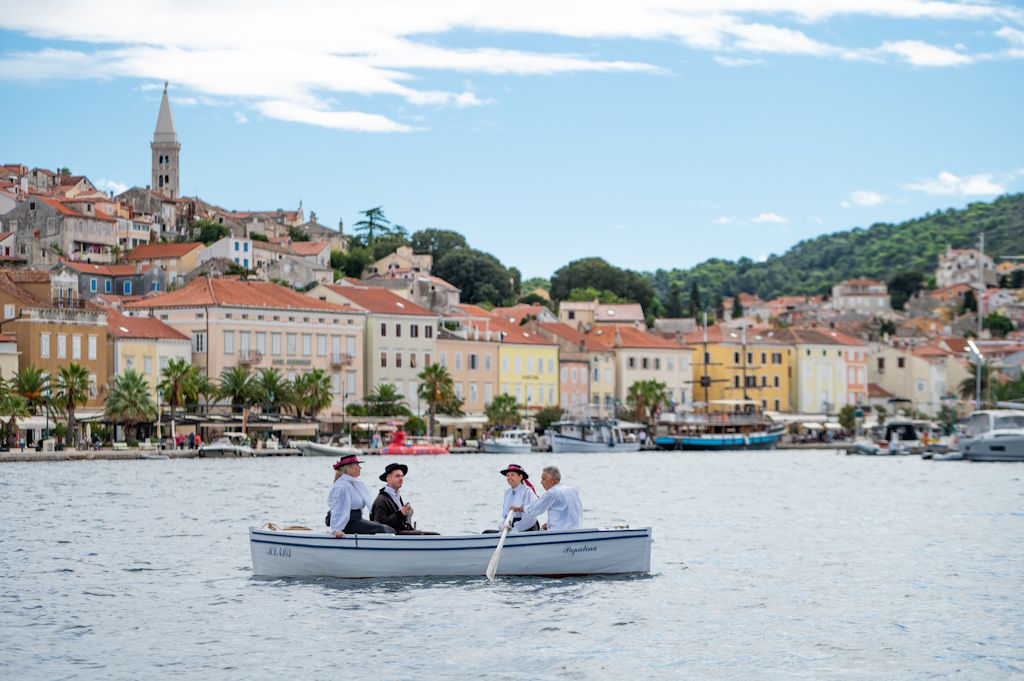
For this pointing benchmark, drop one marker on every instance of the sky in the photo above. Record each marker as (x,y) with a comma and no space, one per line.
(654,134)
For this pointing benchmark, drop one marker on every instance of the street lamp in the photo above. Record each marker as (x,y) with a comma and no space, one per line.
(159,414)
(47,411)
(977,370)
(270,398)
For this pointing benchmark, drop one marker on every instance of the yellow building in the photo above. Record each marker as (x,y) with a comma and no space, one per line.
(750,365)
(144,344)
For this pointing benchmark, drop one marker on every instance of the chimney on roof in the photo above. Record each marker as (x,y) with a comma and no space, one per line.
(138,267)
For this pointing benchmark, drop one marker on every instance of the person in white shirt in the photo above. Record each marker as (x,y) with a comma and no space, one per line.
(347,498)
(560,502)
(519,493)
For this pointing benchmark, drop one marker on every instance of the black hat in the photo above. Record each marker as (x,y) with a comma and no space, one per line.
(393,467)
(513,468)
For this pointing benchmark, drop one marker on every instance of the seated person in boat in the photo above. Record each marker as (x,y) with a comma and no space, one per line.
(347,498)
(561,502)
(519,493)
(388,507)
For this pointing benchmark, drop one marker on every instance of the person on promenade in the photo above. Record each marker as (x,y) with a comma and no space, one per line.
(347,498)
(561,502)
(519,493)
(388,507)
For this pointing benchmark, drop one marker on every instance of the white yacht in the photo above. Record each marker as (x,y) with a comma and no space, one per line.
(229,444)
(994,435)
(590,436)
(509,442)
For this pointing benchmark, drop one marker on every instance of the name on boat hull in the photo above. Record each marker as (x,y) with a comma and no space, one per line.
(573,550)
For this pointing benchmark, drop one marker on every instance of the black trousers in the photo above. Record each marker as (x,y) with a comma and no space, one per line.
(535,528)
(358,525)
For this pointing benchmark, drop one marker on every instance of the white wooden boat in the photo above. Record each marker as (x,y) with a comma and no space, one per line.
(994,435)
(550,553)
(509,442)
(310,448)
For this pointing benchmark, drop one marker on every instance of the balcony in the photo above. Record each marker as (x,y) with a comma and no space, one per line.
(341,359)
(249,357)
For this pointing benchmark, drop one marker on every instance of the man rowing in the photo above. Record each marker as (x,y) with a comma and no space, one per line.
(560,502)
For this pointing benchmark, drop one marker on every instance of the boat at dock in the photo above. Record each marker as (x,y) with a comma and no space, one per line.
(722,430)
(404,445)
(335,447)
(509,442)
(229,444)
(553,553)
(994,435)
(590,435)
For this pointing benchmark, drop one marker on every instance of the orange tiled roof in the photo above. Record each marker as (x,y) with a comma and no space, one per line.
(140,327)
(4,338)
(157,251)
(203,291)
(564,331)
(516,313)
(305,248)
(29,276)
(104,270)
(379,301)
(609,336)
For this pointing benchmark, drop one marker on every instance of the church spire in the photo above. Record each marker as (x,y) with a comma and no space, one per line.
(165,149)
(165,122)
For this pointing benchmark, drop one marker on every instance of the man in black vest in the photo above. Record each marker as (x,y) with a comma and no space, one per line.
(388,507)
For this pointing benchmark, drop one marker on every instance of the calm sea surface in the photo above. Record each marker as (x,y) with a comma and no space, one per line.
(787,564)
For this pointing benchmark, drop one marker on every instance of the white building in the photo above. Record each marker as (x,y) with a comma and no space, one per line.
(960,266)
(863,296)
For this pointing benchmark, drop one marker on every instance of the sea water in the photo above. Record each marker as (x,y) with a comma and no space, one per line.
(783,564)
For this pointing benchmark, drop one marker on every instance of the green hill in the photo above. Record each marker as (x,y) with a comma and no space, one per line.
(879,252)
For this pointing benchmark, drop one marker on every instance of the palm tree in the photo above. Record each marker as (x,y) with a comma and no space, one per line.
(206,389)
(373,223)
(175,383)
(238,385)
(12,406)
(272,389)
(967,386)
(385,400)
(312,392)
(72,392)
(645,397)
(32,384)
(437,388)
(504,411)
(636,397)
(130,402)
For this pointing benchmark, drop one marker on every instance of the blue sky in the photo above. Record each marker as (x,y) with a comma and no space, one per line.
(653,134)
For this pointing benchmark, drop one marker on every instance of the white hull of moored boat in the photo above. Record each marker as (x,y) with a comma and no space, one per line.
(309,448)
(551,553)
(498,447)
(561,443)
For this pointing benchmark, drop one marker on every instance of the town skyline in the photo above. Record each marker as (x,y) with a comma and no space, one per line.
(571,141)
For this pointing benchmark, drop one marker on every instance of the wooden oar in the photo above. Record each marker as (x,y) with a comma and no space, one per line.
(492,567)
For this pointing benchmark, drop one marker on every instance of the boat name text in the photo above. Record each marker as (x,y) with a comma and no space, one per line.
(573,550)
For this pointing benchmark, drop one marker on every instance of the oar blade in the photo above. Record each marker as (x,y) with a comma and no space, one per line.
(492,566)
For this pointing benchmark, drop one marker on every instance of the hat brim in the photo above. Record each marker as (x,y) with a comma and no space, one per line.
(383,477)
(516,470)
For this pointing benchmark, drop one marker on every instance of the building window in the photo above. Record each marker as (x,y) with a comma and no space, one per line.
(631,363)
(519,364)
(472,392)
(443,359)
(383,330)
(44,345)
(350,382)
(735,358)
(504,367)
(307,344)
(147,363)
(8,312)
(428,331)
(398,360)
(881,363)
(129,363)
(551,394)
(76,347)
(261,343)
(735,381)
(106,286)
(275,343)
(488,393)
(321,345)
(383,360)
(426,359)
(127,288)
(229,342)
(901,362)
(336,383)
(776,384)
(776,358)
(529,365)
(472,361)
(292,343)
(92,285)
(412,360)
(62,346)
(92,347)
(487,362)
(764,358)
(198,341)
(458,361)
(414,331)
(597,375)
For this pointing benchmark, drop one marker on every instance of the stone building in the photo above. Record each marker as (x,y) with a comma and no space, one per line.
(166,150)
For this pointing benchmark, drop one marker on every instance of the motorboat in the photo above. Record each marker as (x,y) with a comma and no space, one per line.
(509,442)
(554,553)
(336,447)
(994,435)
(403,445)
(228,444)
(589,435)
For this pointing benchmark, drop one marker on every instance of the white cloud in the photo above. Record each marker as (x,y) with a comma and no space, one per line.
(773,218)
(949,184)
(724,220)
(184,101)
(863,198)
(918,53)
(240,118)
(313,55)
(116,187)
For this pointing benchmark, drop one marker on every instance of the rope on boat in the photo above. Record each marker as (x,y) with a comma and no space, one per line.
(290,528)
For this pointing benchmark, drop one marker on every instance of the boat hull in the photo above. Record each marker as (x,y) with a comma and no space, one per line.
(994,447)
(316,449)
(724,441)
(496,447)
(562,444)
(552,553)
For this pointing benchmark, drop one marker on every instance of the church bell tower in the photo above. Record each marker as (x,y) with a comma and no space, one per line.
(165,152)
